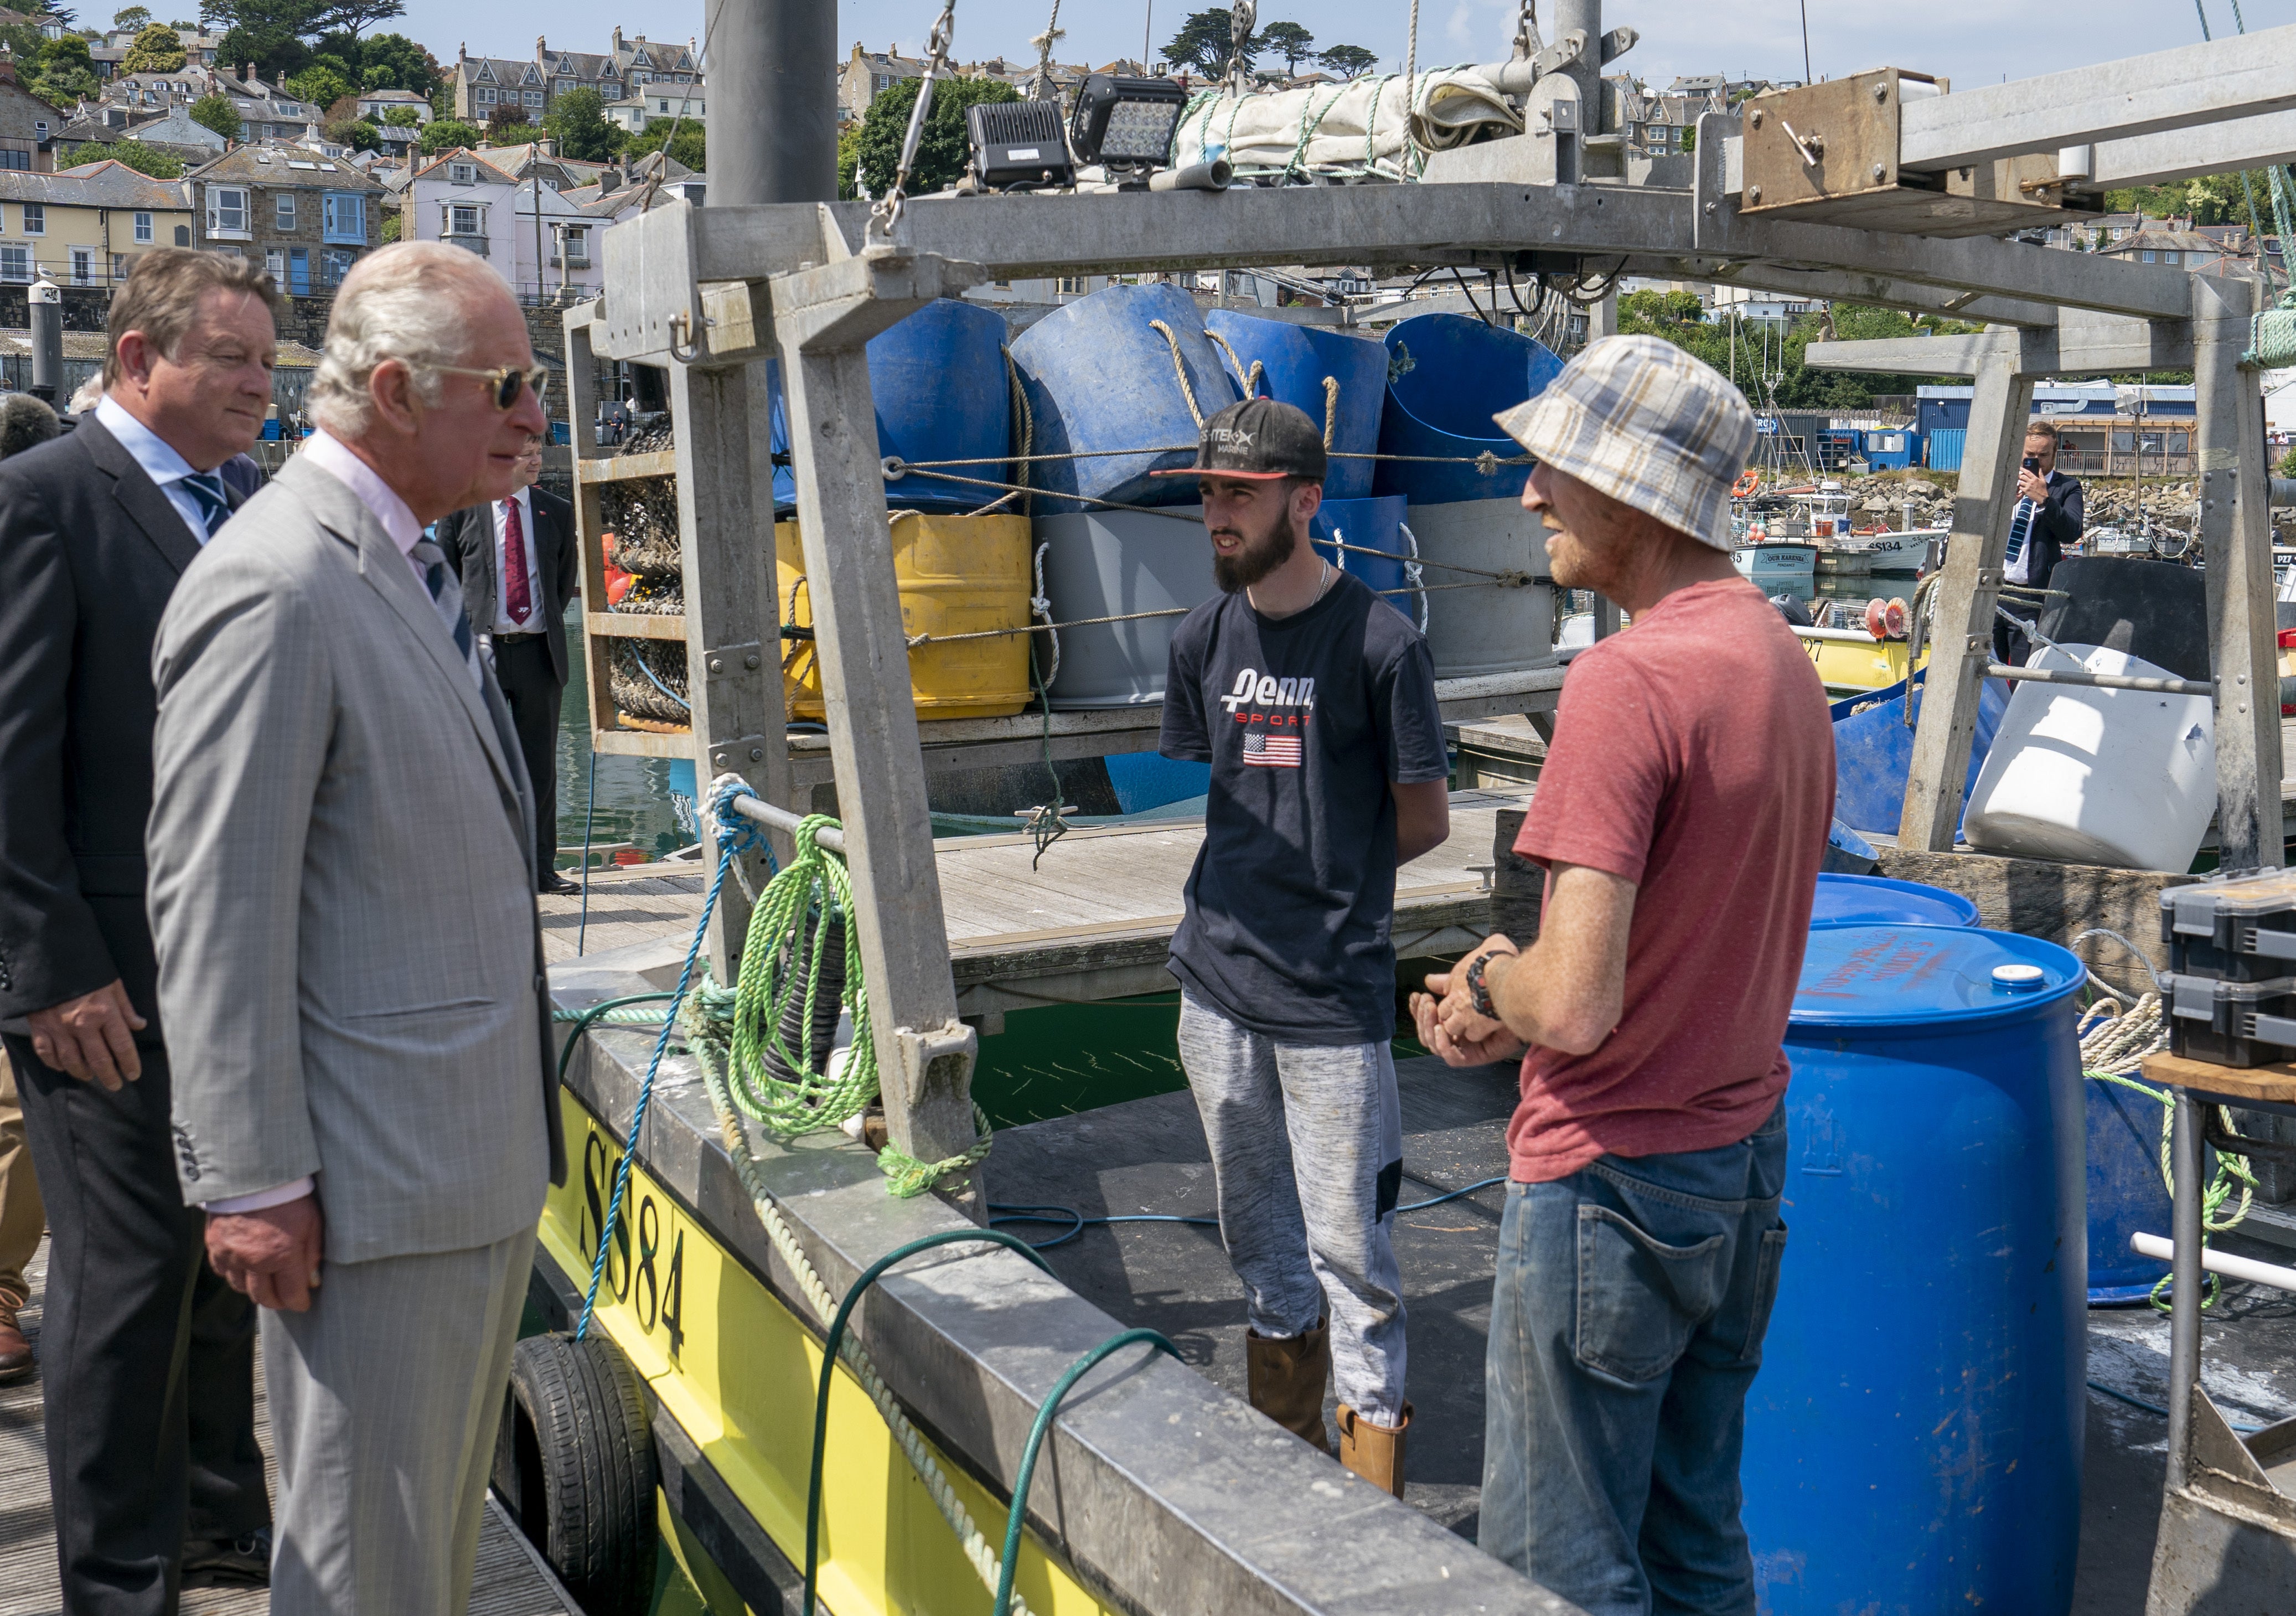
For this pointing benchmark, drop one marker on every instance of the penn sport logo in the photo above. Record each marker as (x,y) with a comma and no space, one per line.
(1254,688)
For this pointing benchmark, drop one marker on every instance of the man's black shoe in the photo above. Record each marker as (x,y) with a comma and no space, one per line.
(243,1561)
(558,886)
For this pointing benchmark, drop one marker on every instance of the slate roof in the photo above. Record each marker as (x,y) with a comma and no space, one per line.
(286,166)
(105,183)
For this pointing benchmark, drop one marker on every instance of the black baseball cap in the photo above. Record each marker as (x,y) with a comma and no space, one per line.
(1262,438)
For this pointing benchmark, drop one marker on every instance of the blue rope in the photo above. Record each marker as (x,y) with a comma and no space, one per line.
(659,686)
(735,836)
(645,1094)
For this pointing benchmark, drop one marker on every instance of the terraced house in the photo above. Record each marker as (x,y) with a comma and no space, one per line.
(86,226)
(307,216)
(482,84)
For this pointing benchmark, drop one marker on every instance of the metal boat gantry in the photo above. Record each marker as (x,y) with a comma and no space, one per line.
(712,292)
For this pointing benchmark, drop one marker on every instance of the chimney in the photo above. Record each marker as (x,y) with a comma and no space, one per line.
(8,67)
(618,39)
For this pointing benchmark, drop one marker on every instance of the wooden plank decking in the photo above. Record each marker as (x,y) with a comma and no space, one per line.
(1093,919)
(509,1580)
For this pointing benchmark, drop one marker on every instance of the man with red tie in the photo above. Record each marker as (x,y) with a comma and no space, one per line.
(519,569)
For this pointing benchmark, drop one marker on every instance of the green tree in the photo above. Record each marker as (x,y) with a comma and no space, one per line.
(1205,43)
(1677,317)
(403,117)
(215,111)
(1289,41)
(849,153)
(133,21)
(359,134)
(389,61)
(1347,60)
(577,122)
(147,161)
(67,72)
(442,133)
(390,228)
(508,124)
(691,149)
(943,147)
(321,84)
(157,49)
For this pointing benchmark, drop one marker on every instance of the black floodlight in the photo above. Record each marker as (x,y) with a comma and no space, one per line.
(1017,144)
(1127,123)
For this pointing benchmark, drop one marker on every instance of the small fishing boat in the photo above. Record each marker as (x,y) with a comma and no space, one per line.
(1765,560)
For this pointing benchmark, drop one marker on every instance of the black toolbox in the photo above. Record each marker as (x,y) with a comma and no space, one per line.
(2238,927)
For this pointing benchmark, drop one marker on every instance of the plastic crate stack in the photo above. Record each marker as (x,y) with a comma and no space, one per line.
(2232,956)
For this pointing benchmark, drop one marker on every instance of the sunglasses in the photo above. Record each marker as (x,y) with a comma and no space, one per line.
(507,381)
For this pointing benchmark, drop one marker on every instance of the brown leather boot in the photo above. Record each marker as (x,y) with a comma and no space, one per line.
(1373,1452)
(1287,1378)
(15,1351)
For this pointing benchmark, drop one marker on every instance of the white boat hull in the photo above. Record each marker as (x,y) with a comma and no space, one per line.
(1765,562)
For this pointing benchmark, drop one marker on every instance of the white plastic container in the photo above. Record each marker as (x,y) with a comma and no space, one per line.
(2124,777)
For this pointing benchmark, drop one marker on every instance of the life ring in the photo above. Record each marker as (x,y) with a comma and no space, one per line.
(1745,485)
(575,1462)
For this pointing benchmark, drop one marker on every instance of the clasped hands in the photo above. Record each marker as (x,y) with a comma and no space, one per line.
(1446,1015)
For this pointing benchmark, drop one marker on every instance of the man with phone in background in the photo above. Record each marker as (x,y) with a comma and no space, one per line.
(2048,518)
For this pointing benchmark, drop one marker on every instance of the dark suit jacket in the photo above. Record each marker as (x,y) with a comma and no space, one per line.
(90,550)
(2057,524)
(467,536)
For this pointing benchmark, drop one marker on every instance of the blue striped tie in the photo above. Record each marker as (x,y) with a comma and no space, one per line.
(214,504)
(2018,527)
(447,596)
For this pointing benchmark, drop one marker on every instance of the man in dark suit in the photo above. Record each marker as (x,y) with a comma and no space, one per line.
(2048,516)
(147,1357)
(519,569)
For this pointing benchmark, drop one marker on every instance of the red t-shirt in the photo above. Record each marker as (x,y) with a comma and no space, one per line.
(1693,755)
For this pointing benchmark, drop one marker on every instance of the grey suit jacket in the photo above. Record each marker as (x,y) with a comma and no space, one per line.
(341,890)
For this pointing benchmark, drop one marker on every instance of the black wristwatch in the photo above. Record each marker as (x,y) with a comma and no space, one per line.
(1478,993)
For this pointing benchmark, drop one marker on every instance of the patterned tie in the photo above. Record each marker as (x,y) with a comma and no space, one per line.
(214,504)
(2017,526)
(446,595)
(517,599)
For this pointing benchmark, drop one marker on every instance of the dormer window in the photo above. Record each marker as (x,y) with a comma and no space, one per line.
(462,174)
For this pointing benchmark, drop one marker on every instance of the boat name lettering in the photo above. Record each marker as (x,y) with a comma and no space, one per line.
(1265,690)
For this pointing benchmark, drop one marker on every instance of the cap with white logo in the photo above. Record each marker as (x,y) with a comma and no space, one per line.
(1260,439)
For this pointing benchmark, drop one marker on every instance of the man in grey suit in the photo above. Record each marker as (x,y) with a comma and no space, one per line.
(343,895)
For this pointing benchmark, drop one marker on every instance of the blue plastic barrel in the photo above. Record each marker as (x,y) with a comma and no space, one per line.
(1914,1436)
(1447,376)
(1876,900)
(1099,377)
(1294,361)
(938,380)
(1874,751)
(1374,524)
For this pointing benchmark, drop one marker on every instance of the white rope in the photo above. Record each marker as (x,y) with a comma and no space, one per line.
(1041,89)
(1413,574)
(1410,94)
(1040,605)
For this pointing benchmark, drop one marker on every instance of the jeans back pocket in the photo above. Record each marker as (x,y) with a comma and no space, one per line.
(1640,1299)
(1767,1264)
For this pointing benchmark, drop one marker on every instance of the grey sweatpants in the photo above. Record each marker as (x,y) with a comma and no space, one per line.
(1306,1143)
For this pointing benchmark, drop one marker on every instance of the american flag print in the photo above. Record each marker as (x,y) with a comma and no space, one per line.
(1271,752)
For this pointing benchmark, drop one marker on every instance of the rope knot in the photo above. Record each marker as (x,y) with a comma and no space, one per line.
(736,832)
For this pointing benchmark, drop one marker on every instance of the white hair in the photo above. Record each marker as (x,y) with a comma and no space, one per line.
(90,395)
(411,300)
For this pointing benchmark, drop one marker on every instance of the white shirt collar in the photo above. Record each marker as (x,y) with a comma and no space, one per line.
(333,456)
(146,448)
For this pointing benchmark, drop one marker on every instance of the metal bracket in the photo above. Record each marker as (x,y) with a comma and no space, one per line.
(740,754)
(1714,188)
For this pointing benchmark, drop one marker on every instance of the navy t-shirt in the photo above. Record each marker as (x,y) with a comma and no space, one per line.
(1305,720)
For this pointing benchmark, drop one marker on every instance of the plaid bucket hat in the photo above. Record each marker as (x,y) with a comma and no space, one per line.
(1642,421)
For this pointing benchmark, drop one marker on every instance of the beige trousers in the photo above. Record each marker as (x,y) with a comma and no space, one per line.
(22,1218)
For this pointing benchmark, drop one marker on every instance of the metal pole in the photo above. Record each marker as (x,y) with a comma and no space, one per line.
(773,101)
(1587,71)
(2237,538)
(2184,1317)
(541,275)
(47,301)
(1971,585)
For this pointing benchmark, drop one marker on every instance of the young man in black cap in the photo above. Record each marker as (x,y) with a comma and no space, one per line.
(1313,701)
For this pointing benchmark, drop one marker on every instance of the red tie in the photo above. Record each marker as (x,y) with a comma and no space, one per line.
(517,600)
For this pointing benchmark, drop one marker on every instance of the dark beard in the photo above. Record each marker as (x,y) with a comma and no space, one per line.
(1261,554)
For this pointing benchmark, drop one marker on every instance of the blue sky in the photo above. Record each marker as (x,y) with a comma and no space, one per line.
(1972,42)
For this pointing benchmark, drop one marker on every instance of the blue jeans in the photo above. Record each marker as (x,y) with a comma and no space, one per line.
(1626,1324)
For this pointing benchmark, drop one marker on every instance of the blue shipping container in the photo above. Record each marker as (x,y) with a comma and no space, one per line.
(1945,448)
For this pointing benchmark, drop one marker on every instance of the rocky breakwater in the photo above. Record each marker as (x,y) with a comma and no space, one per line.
(2122,502)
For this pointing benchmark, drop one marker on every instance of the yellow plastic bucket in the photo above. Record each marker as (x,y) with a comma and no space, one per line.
(958,575)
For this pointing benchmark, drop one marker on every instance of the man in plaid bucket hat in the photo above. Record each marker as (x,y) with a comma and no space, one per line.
(1682,813)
